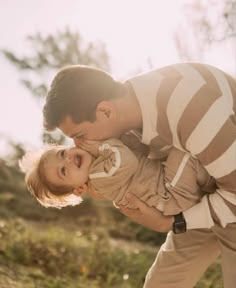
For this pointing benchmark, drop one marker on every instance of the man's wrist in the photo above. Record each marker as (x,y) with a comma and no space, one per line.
(179,224)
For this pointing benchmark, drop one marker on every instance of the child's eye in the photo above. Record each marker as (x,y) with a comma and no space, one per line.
(63,171)
(62,153)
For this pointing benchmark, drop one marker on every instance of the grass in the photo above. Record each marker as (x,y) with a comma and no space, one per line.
(54,256)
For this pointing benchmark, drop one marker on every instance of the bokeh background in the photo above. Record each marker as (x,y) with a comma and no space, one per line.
(91,245)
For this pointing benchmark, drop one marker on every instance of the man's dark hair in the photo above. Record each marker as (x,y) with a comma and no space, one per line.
(76,91)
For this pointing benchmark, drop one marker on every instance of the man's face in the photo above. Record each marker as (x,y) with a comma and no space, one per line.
(102,128)
(67,166)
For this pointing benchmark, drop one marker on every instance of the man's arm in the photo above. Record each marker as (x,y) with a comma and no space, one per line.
(146,215)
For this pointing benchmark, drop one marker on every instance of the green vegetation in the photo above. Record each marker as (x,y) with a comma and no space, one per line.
(55,258)
(91,245)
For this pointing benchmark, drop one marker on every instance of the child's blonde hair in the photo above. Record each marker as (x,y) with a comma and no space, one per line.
(48,195)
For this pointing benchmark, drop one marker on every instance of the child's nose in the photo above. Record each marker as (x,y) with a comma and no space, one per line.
(68,159)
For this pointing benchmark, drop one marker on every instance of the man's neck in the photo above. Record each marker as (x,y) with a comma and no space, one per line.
(130,109)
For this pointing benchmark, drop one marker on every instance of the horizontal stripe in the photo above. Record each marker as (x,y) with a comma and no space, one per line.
(146,87)
(199,105)
(171,78)
(199,215)
(208,127)
(182,96)
(232,84)
(231,206)
(228,182)
(225,164)
(224,86)
(228,196)
(221,142)
(223,212)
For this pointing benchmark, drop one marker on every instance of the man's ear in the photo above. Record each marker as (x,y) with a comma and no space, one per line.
(78,191)
(105,109)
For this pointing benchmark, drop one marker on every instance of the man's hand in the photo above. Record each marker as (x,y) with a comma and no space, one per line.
(146,215)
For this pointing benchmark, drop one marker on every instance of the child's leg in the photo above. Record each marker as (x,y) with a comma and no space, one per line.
(182,259)
(227,240)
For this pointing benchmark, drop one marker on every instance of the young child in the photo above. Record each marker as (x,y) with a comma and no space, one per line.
(59,175)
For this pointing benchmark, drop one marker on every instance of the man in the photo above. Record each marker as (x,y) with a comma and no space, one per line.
(190,106)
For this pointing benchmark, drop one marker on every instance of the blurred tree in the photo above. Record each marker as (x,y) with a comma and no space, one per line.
(207,23)
(214,19)
(50,53)
(10,176)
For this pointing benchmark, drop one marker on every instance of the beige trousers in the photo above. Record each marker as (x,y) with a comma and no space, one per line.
(183,258)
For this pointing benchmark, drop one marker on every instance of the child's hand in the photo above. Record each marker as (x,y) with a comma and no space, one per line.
(90,146)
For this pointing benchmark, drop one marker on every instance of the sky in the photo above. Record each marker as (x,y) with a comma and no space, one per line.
(134,31)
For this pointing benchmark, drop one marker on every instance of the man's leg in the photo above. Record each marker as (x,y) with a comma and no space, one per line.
(227,240)
(182,259)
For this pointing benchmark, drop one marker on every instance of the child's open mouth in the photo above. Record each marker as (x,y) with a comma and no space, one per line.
(78,161)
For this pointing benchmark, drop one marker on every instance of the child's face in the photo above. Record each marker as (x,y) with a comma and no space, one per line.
(67,166)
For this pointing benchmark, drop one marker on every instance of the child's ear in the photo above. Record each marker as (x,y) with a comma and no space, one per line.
(78,191)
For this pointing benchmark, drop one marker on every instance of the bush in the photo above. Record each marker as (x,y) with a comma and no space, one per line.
(60,254)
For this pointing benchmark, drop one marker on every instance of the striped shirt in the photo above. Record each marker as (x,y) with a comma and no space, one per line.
(192,106)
